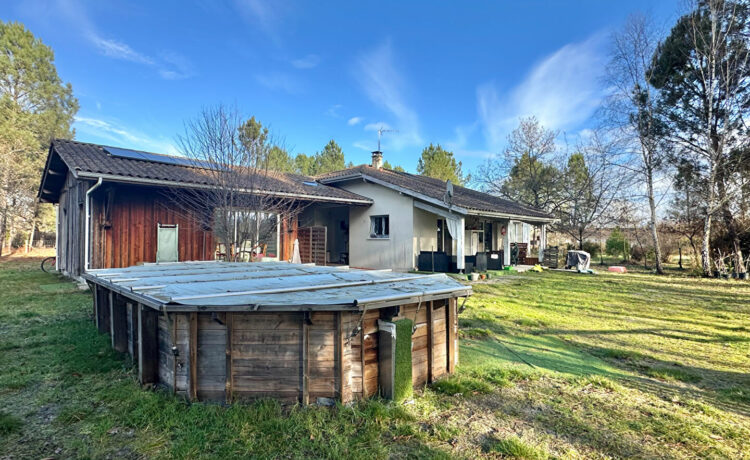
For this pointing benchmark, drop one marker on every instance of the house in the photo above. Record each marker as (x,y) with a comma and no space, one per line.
(116,209)
(414,216)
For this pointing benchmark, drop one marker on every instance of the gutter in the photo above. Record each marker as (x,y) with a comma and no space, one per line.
(87,250)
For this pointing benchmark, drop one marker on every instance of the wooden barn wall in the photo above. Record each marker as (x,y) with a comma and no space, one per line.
(71,222)
(126,233)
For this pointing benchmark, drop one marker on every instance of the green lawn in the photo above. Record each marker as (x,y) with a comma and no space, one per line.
(552,365)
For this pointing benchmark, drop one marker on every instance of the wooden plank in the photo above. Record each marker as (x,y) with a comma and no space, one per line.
(148,345)
(430,345)
(118,323)
(339,356)
(229,368)
(193,364)
(104,316)
(451,326)
(305,362)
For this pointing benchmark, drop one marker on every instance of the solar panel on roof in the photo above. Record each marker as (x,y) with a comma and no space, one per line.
(145,156)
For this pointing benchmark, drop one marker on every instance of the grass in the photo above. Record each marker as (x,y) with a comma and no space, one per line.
(553,365)
(513,447)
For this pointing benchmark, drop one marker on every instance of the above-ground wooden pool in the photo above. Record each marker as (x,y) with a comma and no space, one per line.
(223,331)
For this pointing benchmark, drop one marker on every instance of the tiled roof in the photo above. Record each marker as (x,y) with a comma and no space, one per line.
(435,189)
(93,159)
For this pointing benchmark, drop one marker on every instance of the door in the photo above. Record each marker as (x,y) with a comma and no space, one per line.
(166,243)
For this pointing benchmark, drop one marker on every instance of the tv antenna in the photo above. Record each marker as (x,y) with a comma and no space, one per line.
(380,134)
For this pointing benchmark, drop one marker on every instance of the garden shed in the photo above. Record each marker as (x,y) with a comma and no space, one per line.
(226,331)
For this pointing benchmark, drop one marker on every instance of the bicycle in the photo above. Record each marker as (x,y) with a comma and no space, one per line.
(49,264)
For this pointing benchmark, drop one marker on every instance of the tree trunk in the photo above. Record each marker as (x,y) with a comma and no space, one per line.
(654,233)
(706,246)
(730,223)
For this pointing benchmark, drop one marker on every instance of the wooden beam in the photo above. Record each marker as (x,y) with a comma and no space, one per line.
(103,310)
(451,328)
(430,346)
(229,371)
(193,344)
(148,345)
(96,305)
(339,357)
(305,400)
(118,323)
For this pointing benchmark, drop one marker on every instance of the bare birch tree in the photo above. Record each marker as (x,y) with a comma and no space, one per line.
(241,199)
(632,110)
(592,186)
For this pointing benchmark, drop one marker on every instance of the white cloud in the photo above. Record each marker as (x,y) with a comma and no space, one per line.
(119,50)
(264,14)
(123,136)
(279,81)
(73,14)
(307,62)
(354,121)
(383,83)
(377,125)
(333,111)
(562,91)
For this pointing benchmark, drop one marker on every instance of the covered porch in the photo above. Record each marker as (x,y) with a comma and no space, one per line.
(475,241)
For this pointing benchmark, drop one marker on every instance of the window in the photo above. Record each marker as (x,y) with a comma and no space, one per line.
(379,227)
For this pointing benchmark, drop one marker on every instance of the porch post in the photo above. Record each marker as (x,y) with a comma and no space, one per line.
(542,241)
(460,260)
(506,244)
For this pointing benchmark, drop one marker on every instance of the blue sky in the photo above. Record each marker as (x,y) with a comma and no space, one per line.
(458,74)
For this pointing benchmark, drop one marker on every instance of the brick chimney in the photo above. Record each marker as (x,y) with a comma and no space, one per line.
(377,159)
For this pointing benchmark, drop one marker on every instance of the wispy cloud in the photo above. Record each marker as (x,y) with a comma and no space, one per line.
(562,91)
(118,50)
(169,65)
(280,81)
(377,125)
(384,85)
(108,131)
(334,110)
(266,15)
(354,121)
(308,62)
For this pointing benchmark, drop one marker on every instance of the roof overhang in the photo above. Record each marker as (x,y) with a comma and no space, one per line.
(450,208)
(53,177)
(521,217)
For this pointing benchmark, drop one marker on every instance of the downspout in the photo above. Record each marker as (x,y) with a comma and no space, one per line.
(87,251)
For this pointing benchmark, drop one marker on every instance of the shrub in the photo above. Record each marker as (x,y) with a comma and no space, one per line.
(616,244)
(592,248)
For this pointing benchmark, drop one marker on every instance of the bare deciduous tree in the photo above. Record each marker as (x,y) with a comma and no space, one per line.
(592,186)
(529,170)
(242,200)
(632,110)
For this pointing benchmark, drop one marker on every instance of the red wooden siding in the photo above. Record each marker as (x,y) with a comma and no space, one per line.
(128,237)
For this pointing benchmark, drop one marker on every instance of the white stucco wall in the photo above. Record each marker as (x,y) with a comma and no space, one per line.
(425,232)
(396,252)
